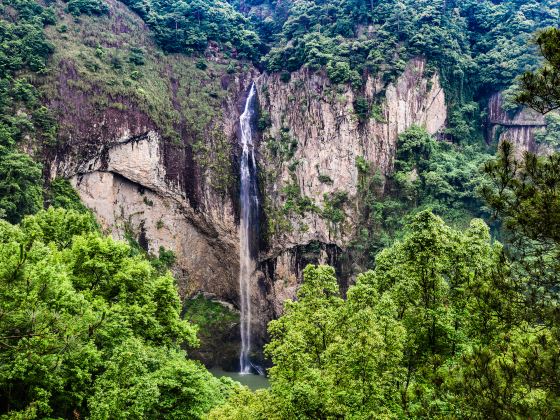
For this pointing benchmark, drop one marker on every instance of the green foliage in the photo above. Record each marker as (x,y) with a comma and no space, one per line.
(525,194)
(264,121)
(339,72)
(541,89)
(325,179)
(20,185)
(377,113)
(153,382)
(164,261)
(333,209)
(362,165)
(436,330)
(246,405)
(295,201)
(285,76)
(362,108)
(203,312)
(90,330)
(201,64)
(429,174)
(211,317)
(283,147)
(136,56)
(477,47)
(323,369)
(463,39)
(118,66)
(61,194)
(87,7)
(414,149)
(190,27)
(23,51)
(550,136)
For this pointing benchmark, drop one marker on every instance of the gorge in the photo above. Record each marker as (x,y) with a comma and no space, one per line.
(257,189)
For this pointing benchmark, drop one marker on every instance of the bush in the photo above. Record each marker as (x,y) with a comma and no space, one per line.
(362,108)
(136,56)
(20,185)
(87,7)
(285,76)
(338,71)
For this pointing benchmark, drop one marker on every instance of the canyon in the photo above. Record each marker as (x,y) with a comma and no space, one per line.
(180,191)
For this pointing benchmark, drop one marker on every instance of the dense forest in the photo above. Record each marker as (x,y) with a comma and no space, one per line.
(455,310)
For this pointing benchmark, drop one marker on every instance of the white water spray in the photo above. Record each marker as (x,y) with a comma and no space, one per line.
(249,203)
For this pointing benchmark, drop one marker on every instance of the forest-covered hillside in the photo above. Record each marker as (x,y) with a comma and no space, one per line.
(448,304)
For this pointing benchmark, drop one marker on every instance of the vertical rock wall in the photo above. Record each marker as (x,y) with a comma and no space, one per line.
(518,127)
(330,137)
(320,121)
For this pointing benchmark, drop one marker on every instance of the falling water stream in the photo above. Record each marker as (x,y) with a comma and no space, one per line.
(249,204)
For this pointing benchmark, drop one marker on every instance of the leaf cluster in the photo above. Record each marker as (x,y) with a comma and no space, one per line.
(88,328)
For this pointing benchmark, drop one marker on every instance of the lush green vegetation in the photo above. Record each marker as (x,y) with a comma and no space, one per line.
(22,48)
(469,41)
(448,323)
(90,329)
(476,45)
(210,317)
(194,26)
(440,176)
(441,328)
(88,7)
(540,90)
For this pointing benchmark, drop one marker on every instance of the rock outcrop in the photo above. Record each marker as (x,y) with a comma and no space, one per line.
(517,127)
(130,193)
(162,170)
(318,120)
(330,136)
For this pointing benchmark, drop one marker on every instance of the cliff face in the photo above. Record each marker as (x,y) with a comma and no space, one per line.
(518,128)
(329,137)
(153,189)
(155,156)
(150,148)
(309,155)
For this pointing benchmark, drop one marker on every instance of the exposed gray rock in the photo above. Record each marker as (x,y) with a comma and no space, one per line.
(519,127)
(134,182)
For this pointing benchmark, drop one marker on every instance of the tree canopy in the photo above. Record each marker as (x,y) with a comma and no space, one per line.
(435,330)
(90,330)
(541,89)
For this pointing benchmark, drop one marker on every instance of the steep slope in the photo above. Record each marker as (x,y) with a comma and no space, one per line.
(150,141)
(312,187)
(147,140)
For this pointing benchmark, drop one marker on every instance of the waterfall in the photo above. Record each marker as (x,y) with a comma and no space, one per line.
(249,204)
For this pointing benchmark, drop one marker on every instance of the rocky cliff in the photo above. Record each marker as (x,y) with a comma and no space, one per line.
(310,154)
(518,127)
(152,149)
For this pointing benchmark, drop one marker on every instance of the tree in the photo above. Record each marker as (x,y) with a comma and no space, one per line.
(525,195)
(89,329)
(541,89)
(406,331)
(20,185)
